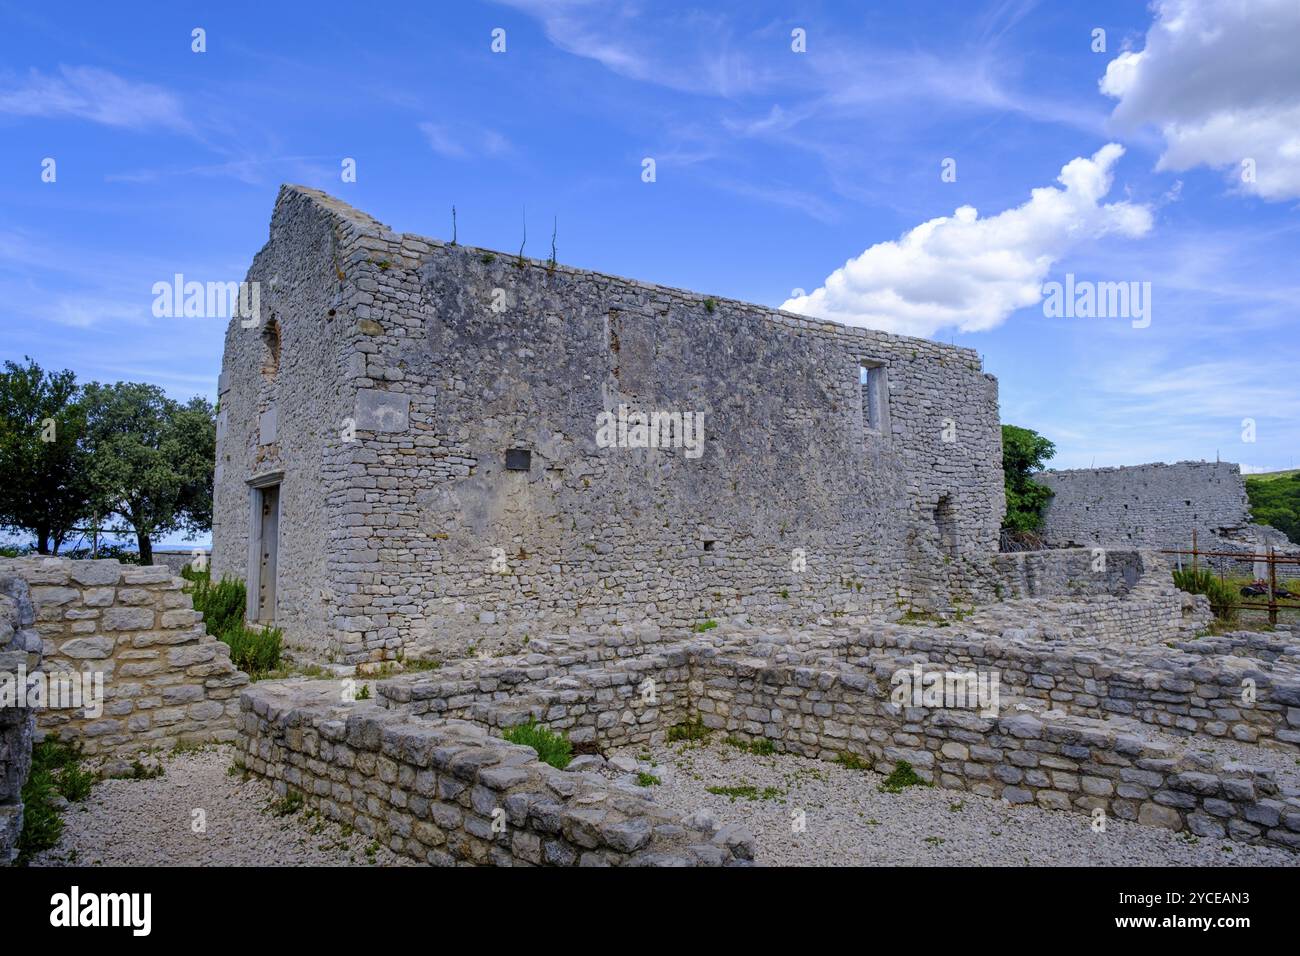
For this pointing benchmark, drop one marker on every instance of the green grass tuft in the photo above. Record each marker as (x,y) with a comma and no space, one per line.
(903,776)
(551,747)
(688,730)
(852,761)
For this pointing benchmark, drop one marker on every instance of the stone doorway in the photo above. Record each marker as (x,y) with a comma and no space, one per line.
(263,549)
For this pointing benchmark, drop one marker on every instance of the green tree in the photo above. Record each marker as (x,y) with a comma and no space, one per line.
(152,460)
(1023,454)
(1275,500)
(45,491)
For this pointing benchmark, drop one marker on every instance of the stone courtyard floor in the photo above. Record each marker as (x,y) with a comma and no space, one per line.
(849,821)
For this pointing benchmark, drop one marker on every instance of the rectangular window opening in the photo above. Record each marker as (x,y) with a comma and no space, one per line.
(519,459)
(875,396)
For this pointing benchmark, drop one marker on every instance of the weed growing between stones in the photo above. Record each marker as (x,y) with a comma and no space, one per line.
(688,730)
(254,650)
(139,771)
(745,791)
(287,805)
(56,779)
(705,626)
(903,776)
(1223,598)
(760,746)
(644,779)
(851,761)
(551,747)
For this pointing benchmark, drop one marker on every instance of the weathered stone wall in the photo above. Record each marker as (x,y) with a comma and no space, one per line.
(446,792)
(1183,689)
(1057,762)
(20,654)
(1114,596)
(401,389)
(165,680)
(1077,727)
(1157,506)
(285,396)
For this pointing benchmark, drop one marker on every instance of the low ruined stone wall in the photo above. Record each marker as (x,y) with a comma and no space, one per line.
(1057,762)
(1174,689)
(1116,596)
(1077,727)
(164,679)
(616,704)
(447,792)
(20,654)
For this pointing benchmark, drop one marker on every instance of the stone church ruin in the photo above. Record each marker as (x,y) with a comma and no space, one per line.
(424,446)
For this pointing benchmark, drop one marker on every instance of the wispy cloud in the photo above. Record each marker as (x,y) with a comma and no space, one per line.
(464,141)
(89,93)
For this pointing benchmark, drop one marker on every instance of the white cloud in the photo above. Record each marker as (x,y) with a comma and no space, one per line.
(87,92)
(1221,80)
(968,273)
(464,142)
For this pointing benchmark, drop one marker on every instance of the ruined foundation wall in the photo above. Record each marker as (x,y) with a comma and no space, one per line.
(20,653)
(1068,732)
(446,792)
(449,358)
(165,680)
(1118,597)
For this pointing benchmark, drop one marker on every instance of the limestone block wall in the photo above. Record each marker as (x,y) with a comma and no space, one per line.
(446,792)
(1067,734)
(1117,596)
(286,400)
(1058,762)
(20,654)
(1158,506)
(165,680)
(417,366)
(1174,689)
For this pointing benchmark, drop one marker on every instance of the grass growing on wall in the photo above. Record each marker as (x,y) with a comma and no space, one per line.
(551,747)
(254,650)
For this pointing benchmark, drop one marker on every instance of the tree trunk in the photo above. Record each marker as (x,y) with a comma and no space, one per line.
(145,547)
(42,541)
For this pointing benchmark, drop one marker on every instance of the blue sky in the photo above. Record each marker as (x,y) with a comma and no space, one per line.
(773,170)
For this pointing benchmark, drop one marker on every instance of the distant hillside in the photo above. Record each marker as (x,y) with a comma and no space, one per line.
(1275,500)
(1273,475)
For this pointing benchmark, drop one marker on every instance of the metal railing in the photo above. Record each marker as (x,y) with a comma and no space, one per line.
(1270,558)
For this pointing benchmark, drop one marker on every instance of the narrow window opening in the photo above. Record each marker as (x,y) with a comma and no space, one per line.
(945,521)
(519,459)
(708,545)
(271,356)
(875,396)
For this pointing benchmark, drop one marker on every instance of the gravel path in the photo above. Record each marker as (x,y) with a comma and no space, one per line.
(149,823)
(849,822)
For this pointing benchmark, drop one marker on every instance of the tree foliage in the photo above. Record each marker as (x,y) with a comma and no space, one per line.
(1023,453)
(46,490)
(124,454)
(1275,500)
(152,459)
